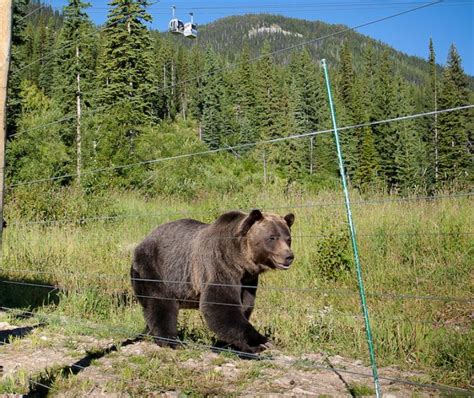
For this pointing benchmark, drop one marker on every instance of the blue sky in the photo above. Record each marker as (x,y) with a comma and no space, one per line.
(450,21)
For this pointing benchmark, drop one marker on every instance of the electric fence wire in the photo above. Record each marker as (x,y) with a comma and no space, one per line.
(238,146)
(350,5)
(334,291)
(240,354)
(116,218)
(40,7)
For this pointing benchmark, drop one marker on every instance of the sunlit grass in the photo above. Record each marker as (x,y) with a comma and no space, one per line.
(412,248)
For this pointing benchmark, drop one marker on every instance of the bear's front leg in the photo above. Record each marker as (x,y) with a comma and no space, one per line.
(223,312)
(249,291)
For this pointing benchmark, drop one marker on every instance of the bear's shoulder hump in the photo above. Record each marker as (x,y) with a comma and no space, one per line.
(230,217)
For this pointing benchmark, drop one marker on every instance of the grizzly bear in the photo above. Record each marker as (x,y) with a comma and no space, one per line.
(213,268)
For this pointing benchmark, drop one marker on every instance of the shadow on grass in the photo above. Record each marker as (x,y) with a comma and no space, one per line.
(7,335)
(350,390)
(43,385)
(26,293)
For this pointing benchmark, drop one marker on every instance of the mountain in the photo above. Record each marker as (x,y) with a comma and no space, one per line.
(227,36)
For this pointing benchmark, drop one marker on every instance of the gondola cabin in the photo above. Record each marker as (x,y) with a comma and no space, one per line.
(176,26)
(190,28)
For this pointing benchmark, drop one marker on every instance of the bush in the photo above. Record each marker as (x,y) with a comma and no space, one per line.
(333,256)
(49,202)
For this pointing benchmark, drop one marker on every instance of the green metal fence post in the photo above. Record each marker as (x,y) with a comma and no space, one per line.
(353,236)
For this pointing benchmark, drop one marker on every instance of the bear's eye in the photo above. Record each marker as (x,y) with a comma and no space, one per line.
(273,238)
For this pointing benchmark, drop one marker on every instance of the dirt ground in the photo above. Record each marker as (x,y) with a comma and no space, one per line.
(40,362)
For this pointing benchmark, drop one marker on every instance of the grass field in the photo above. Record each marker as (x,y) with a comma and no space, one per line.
(416,257)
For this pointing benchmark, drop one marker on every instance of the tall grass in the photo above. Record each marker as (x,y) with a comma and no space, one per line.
(408,248)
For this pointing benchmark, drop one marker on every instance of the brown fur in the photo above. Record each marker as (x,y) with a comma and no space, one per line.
(201,265)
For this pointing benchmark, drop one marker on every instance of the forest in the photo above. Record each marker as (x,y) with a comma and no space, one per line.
(120,98)
(118,128)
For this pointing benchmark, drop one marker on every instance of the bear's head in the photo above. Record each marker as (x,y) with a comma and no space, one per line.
(268,239)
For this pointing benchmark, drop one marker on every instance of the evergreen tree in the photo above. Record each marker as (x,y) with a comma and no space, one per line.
(74,73)
(196,69)
(182,77)
(125,73)
(433,140)
(410,153)
(385,107)
(292,155)
(212,123)
(351,112)
(346,78)
(245,97)
(368,168)
(455,164)
(266,99)
(47,39)
(17,61)
(37,152)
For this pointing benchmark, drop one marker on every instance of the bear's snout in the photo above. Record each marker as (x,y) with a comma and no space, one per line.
(284,261)
(289,259)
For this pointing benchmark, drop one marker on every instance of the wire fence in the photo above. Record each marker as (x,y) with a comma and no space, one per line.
(206,347)
(234,147)
(7,271)
(299,289)
(294,206)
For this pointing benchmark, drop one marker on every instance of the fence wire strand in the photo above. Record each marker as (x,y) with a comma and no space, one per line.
(331,291)
(234,147)
(240,354)
(295,206)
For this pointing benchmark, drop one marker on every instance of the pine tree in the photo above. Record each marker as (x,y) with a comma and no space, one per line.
(266,99)
(368,169)
(351,111)
(432,139)
(212,122)
(346,80)
(163,68)
(182,77)
(292,155)
(74,72)
(37,152)
(245,97)
(409,156)
(385,107)
(196,69)
(127,65)
(47,40)
(455,165)
(17,61)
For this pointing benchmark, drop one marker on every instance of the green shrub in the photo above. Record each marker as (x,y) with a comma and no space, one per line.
(49,202)
(332,255)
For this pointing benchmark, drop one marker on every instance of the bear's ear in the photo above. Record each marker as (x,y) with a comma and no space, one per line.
(254,216)
(290,219)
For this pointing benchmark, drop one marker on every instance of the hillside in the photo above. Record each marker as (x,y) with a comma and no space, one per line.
(227,35)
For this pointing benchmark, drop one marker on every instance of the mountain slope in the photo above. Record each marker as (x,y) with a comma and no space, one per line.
(227,35)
